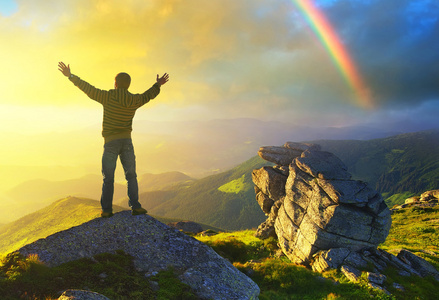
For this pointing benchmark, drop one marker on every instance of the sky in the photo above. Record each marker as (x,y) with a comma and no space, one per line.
(261,59)
(226,59)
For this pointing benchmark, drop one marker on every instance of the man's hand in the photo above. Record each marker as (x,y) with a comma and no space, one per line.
(65,69)
(162,80)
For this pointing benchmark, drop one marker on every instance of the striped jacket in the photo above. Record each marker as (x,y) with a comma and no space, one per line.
(119,107)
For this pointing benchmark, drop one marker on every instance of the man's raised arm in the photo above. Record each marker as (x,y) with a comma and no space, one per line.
(98,95)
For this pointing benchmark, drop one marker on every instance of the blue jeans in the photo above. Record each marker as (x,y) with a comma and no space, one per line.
(124,149)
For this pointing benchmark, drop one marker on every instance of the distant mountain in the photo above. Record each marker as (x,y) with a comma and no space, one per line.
(405,164)
(86,186)
(202,148)
(60,215)
(156,182)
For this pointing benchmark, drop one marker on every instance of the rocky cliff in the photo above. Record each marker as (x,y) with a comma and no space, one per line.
(155,247)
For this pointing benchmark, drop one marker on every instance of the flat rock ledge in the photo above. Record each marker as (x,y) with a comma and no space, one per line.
(155,247)
(351,262)
(427,199)
(81,295)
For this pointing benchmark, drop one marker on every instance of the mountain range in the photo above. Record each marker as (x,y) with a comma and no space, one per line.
(196,148)
(398,166)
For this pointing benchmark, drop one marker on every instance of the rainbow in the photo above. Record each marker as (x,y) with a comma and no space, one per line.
(329,38)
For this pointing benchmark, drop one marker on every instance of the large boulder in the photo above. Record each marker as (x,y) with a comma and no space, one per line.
(154,247)
(430,196)
(320,207)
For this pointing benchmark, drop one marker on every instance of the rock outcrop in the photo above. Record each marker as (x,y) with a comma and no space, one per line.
(155,247)
(186,226)
(81,295)
(312,203)
(427,199)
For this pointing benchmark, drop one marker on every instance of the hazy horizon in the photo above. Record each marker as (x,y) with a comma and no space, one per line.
(196,148)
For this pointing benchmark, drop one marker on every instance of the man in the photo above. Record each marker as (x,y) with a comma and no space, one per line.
(119,109)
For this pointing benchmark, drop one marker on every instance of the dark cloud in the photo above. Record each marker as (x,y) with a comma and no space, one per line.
(395,45)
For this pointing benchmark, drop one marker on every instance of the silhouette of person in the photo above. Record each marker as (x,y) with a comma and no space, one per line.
(119,109)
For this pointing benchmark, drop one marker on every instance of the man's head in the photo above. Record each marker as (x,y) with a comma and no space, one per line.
(122,81)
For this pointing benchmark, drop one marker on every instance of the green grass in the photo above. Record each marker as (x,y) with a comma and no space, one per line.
(60,215)
(235,186)
(112,275)
(415,229)
(225,200)
(240,246)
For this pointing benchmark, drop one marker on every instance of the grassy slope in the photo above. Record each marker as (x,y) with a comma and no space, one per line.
(61,215)
(415,229)
(225,200)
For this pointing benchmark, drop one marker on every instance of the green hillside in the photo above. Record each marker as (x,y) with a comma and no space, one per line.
(225,200)
(61,215)
(398,167)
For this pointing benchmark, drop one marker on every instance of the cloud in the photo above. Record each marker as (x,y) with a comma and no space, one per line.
(249,58)
(395,45)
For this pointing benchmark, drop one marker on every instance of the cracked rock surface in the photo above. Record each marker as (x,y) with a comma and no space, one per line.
(316,205)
